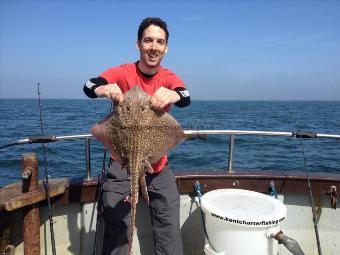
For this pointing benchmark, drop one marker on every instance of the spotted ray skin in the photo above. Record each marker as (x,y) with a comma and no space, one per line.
(137,137)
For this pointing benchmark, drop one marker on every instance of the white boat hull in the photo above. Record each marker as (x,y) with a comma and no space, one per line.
(74,226)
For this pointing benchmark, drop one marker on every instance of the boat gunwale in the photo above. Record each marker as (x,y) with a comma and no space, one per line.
(84,190)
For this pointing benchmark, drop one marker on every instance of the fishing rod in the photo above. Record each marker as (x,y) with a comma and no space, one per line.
(99,202)
(190,133)
(45,182)
(315,217)
(100,197)
(311,198)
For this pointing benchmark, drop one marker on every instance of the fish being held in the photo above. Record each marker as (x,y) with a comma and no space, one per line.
(137,137)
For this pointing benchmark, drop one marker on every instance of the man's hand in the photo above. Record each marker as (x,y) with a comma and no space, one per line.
(163,97)
(110,91)
(127,199)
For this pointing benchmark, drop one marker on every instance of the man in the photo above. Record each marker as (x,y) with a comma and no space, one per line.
(165,88)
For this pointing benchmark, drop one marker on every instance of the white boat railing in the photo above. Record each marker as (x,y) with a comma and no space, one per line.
(232,133)
(189,133)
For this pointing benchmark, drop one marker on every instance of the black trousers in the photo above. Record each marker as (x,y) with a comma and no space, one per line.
(164,210)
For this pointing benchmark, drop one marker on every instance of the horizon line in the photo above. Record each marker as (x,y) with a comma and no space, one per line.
(52,98)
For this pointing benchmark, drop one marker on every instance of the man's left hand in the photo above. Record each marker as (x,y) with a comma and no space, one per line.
(163,97)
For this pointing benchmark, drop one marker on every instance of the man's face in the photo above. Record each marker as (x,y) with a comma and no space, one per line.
(152,46)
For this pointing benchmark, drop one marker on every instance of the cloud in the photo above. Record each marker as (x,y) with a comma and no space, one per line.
(288,39)
(194,18)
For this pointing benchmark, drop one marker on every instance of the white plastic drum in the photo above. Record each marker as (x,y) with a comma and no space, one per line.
(237,221)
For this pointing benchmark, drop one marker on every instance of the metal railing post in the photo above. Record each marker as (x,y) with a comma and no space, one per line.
(231,151)
(88,158)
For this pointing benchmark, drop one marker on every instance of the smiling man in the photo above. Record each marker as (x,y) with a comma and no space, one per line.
(165,88)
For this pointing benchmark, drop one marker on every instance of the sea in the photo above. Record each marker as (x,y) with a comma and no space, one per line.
(20,118)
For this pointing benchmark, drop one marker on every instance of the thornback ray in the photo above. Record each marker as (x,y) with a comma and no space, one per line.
(138,136)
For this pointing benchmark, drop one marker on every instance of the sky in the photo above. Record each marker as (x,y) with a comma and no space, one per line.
(223,50)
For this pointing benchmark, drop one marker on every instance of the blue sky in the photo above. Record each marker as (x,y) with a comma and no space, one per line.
(225,50)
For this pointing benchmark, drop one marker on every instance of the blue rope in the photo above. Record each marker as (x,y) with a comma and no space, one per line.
(271,190)
(197,188)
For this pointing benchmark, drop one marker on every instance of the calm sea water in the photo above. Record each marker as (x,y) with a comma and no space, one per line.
(20,119)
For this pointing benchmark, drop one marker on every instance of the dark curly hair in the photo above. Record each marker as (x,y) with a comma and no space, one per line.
(152,21)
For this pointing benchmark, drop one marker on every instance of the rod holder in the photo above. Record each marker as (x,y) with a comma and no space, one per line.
(31,214)
(88,158)
(231,151)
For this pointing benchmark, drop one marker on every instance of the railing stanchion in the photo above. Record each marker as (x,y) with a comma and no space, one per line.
(231,151)
(88,158)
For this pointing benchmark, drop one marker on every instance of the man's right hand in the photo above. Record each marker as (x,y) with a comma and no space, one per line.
(110,91)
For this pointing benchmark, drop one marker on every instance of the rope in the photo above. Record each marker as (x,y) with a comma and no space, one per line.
(197,189)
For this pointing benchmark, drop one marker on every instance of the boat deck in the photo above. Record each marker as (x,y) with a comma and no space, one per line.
(75,211)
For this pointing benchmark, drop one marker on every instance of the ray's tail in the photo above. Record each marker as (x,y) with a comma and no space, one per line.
(132,225)
(134,199)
